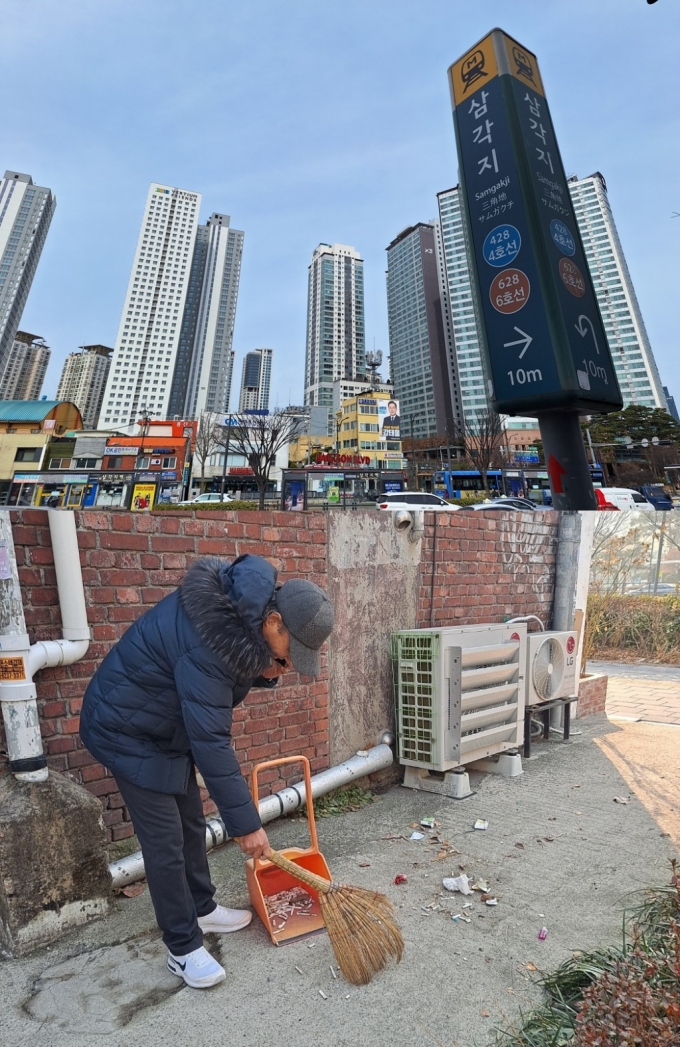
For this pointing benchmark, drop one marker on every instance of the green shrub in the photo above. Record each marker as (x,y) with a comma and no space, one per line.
(203,506)
(467,499)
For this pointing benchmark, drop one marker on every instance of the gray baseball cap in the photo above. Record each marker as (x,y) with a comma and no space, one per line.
(308,616)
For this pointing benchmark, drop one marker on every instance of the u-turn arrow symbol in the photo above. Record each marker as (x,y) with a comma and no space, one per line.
(584,322)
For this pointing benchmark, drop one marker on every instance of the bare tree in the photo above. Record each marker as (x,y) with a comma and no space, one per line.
(484,434)
(259,438)
(208,439)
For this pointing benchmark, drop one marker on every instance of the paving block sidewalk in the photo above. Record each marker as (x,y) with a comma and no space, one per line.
(559,852)
(642,692)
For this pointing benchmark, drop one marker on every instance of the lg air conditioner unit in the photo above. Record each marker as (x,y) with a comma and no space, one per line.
(551,666)
(459,693)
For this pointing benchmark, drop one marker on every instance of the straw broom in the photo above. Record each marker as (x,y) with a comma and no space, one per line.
(360,923)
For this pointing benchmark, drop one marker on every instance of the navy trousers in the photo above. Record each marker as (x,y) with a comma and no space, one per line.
(171,832)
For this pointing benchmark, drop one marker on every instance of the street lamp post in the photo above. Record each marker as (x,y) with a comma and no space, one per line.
(226,454)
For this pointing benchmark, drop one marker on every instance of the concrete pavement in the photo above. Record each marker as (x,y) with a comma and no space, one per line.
(641,692)
(559,852)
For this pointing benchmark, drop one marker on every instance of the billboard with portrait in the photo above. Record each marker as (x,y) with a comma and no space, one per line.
(294,495)
(390,421)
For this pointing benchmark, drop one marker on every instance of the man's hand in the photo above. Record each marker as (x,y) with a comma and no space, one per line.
(255,845)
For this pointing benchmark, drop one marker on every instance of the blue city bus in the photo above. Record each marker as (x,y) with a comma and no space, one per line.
(529,483)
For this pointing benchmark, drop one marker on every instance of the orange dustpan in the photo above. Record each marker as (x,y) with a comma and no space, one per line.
(285,920)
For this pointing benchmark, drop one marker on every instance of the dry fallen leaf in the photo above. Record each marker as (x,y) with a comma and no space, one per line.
(531,966)
(133,890)
(364,865)
(485,1013)
(520,845)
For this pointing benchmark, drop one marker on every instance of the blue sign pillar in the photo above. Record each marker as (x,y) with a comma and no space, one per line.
(542,335)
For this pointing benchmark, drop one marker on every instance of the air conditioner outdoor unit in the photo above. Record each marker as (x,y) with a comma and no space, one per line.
(459,693)
(551,666)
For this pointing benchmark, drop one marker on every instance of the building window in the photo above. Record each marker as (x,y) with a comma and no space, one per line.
(28,454)
(115,463)
(86,463)
(142,463)
(169,463)
(60,463)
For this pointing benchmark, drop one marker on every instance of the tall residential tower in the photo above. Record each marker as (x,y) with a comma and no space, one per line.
(634,361)
(335,321)
(25,214)
(173,351)
(256,380)
(24,373)
(423,369)
(83,380)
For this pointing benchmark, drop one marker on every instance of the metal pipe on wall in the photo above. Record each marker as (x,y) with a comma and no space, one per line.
(127,870)
(18,696)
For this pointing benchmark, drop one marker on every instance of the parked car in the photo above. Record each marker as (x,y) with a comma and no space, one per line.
(662,589)
(623,498)
(415,500)
(212,496)
(657,496)
(513,505)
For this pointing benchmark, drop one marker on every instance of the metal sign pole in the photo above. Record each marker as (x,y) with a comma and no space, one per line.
(543,341)
(565,456)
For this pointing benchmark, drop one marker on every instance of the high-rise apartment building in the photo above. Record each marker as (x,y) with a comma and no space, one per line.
(634,361)
(335,322)
(460,316)
(423,366)
(205,361)
(83,381)
(146,347)
(25,214)
(173,351)
(671,406)
(25,368)
(256,380)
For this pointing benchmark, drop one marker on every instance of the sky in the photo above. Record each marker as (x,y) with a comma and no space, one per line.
(310,121)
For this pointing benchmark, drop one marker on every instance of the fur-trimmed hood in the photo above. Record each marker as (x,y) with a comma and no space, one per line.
(226,604)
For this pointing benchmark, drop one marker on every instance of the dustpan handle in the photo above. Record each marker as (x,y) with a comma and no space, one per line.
(308,788)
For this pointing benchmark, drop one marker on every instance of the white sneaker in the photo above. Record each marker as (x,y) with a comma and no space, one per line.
(198,968)
(222,921)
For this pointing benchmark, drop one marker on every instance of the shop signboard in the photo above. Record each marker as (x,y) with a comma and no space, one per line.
(542,334)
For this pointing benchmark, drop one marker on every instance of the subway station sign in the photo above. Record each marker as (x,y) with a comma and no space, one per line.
(542,334)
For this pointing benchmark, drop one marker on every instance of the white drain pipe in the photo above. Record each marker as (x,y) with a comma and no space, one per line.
(19,661)
(129,869)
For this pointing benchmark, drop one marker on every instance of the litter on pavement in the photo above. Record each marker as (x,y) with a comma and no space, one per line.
(457,883)
(481,823)
(543,934)
(417,836)
(400,878)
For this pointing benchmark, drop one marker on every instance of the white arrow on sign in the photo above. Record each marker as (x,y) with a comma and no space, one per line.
(582,327)
(525,340)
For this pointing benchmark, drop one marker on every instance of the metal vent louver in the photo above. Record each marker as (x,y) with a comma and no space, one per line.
(547,669)
(459,693)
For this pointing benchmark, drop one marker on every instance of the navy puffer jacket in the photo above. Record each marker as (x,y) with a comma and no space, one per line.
(163,697)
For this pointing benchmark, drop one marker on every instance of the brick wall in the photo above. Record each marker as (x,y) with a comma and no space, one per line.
(131,561)
(592,695)
(487,568)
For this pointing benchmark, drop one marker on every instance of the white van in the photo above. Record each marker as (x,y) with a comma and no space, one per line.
(623,498)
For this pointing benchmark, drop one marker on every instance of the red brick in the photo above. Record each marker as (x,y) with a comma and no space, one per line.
(59,745)
(170,525)
(171,544)
(40,555)
(127,595)
(122,522)
(122,832)
(114,540)
(151,595)
(51,709)
(150,561)
(96,521)
(93,773)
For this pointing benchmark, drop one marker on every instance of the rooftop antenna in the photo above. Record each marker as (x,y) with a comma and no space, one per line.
(373,362)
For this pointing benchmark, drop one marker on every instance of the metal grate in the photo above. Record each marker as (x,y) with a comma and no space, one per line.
(414,662)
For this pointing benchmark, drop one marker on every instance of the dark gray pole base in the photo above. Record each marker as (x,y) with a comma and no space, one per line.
(565,457)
